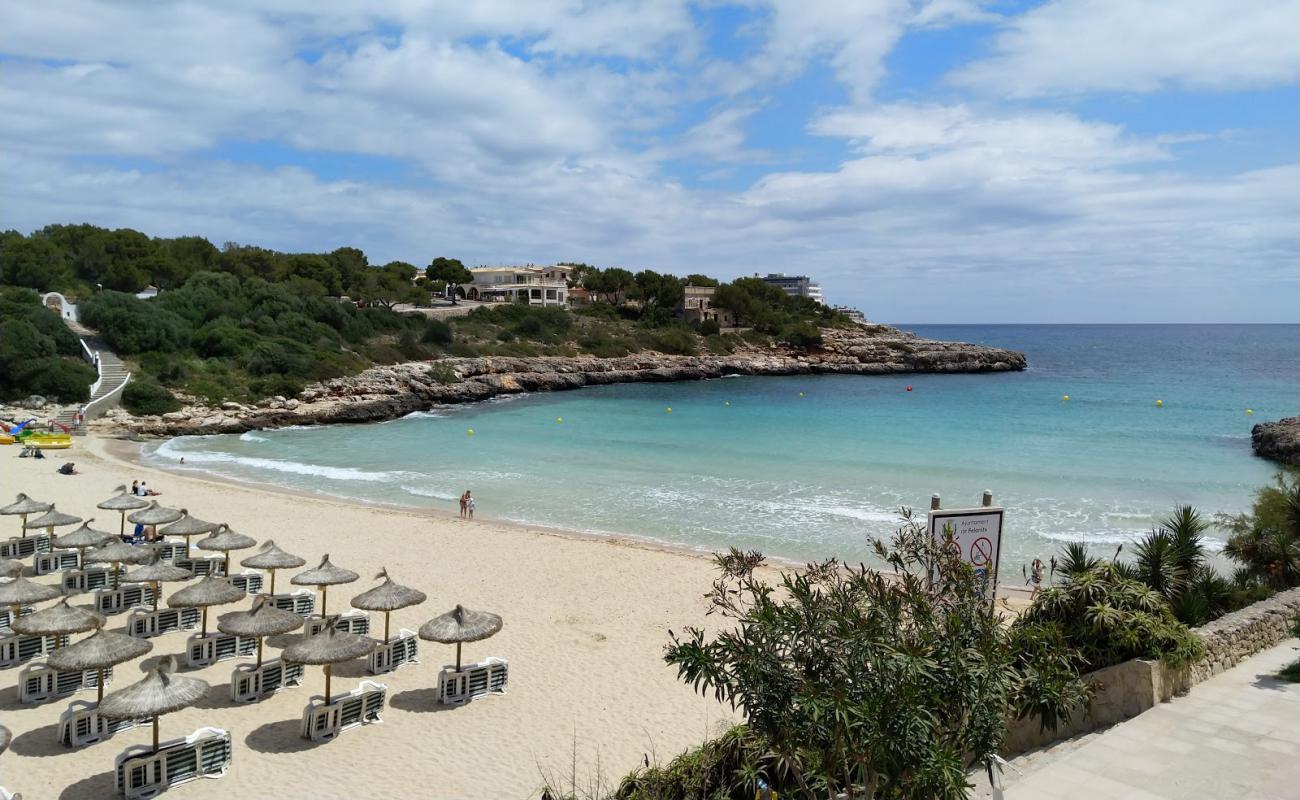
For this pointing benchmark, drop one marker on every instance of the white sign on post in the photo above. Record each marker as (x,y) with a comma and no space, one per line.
(977,532)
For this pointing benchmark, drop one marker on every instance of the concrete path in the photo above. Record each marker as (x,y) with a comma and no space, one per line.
(1236,735)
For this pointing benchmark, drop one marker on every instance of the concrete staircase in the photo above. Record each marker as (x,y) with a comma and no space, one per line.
(104,393)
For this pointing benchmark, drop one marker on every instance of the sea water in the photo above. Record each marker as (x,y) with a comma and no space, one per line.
(809,467)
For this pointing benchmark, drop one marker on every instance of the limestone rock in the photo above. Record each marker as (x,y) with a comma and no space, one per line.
(1279,441)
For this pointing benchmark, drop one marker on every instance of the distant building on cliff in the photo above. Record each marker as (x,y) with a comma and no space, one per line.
(697,306)
(538,286)
(795,285)
(853,313)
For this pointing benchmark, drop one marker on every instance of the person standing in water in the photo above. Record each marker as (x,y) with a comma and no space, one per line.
(469,504)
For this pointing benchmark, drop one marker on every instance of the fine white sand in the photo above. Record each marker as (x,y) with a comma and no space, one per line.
(586,621)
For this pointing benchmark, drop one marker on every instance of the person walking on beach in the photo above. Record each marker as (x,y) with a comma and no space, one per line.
(464,503)
(1036,577)
(469,504)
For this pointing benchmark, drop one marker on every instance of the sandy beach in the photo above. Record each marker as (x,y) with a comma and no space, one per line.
(585,625)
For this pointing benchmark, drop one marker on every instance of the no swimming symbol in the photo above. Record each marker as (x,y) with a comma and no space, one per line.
(981,552)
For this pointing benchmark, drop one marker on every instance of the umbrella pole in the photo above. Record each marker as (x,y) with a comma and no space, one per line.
(458,656)
(121,523)
(22,524)
(327,683)
(116,569)
(227,566)
(155,734)
(204,632)
(100,698)
(154,584)
(324,596)
(259,651)
(386,627)
(272,581)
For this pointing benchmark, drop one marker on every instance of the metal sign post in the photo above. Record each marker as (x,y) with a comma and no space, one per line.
(976,532)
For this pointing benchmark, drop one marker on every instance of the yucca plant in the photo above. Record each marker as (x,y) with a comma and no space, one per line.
(1075,560)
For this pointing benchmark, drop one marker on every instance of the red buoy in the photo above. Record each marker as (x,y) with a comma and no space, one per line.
(909,388)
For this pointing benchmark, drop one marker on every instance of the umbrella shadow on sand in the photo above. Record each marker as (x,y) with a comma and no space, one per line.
(39,743)
(420,701)
(284,736)
(9,699)
(101,785)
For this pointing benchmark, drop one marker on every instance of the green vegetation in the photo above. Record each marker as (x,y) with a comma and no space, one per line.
(1266,541)
(147,397)
(38,354)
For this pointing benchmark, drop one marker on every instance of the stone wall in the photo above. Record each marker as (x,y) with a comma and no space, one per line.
(1235,637)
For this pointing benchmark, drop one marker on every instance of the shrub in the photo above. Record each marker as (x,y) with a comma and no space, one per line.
(63,380)
(436,332)
(710,327)
(146,397)
(441,373)
(1266,541)
(674,341)
(1110,618)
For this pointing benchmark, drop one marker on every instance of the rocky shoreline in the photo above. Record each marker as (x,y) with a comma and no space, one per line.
(1279,441)
(392,391)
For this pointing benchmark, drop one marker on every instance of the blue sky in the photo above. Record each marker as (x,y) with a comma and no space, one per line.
(926,160)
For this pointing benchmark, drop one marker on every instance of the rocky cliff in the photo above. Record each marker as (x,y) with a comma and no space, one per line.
(388,392)
(1279,440)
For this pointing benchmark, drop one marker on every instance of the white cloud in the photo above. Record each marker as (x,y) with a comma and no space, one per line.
(1077,46)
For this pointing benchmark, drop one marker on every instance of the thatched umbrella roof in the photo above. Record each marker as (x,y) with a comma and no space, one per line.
(272,557)
(157,572)
(154,514)
(123,501)
(388,597)
(330,646)
(99,651)
(161,692)
(52,518)
(83,537)
(225,540)
(25,505)
(5,738)
(57,620)
(11,568)
(117,552)
(211,591)
(21,592)
(263,619)
(188,526)
(460,625)
(325,575)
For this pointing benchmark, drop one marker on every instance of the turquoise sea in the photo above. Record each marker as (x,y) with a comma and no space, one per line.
(809,467)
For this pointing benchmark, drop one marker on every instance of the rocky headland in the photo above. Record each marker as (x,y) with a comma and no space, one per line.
(1279,441)
(387,392)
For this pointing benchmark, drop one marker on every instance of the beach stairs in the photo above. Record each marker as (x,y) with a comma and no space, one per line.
(38,683)
(105,391)
(80,724)
(142,772)
(398,651)
(485,678)
(250,683)
(324,719)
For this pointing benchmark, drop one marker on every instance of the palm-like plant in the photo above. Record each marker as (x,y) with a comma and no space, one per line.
(1075,560)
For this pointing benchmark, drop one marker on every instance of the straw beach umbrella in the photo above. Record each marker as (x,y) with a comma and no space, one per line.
(388,597)
(226,540)
(262,620)
(11,568)
(98,651)
(211,591)
(271,558)
(155,573)
(123,502)
(329,647)
(22,592)
(460,625)
(58,620)
(188,526)
(161,692)
(117,553)
(324,576)
(52,519)
(83,537)
(153,515)
(22,506)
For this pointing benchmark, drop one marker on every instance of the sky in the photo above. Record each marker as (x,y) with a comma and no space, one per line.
(924,160)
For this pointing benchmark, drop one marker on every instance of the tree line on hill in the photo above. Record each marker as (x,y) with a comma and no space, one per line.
(244,323)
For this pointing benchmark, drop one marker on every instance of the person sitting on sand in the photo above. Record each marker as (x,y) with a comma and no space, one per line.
(469,504)
(145,491)
(38,453)
(135,488)
(68,468)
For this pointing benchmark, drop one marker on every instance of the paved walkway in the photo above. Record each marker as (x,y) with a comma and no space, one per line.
(1236,735)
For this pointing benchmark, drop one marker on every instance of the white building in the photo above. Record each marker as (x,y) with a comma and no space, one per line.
(540,286)
(795,285)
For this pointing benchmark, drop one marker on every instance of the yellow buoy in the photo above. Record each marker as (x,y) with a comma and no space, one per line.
(559,420)
(668,410)
(469,432)
(1250,412)
(1065,398)
(1160,404)
(726,403)
(801,394)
